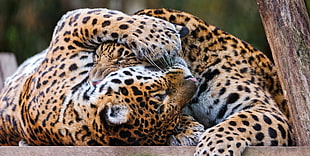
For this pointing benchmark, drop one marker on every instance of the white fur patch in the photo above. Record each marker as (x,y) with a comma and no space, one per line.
(117,114)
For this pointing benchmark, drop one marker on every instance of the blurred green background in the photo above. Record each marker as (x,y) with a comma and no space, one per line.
(26,26)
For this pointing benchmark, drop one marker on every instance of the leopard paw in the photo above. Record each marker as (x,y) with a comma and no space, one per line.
(188,132)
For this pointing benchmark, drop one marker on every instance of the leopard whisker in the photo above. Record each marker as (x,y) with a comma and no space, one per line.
(151,61)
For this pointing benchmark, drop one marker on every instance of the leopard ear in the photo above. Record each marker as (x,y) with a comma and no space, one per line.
(116,113)
(182,30)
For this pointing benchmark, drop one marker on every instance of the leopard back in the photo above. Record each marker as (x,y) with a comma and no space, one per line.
(239,98)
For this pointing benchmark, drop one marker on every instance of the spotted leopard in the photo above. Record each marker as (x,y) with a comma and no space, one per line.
(51,99)
(239,98)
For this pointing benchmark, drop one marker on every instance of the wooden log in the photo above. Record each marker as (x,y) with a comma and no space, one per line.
(287,25)
(139,151)
(8,66)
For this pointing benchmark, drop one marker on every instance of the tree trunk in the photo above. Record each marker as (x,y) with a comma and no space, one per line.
(287,25)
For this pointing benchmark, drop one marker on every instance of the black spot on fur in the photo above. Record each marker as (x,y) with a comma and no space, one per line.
(127,73)
(241,129)
(233,123)
(130,21)
(184,31)
(85,19)
(73,56)
(107,16)
(123,26)
(233,97)
(244,70)
(114,35)
(272,133)
(129,81)
(257,127)
(106,23)
(138,31)
(66,39)
(274,143)
(240,88)
(260,136)
(94,22)
(119,18)
(230,138)
(116,81)
(158,11)
(70,47)
(222,91)
(136,91)
(254,117)
(221,150)
(246,123)
(73,67)
(242,116)
(209,75)
(267,119)
(282,130)
(172,18)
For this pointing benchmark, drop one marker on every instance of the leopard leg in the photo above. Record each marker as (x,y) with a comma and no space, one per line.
(188,132)
(257,126)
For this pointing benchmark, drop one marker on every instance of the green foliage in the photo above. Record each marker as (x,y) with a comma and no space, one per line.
(26,26)
(238,17)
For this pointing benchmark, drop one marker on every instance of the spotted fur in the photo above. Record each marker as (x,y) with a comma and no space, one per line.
(239,99)
(52,100)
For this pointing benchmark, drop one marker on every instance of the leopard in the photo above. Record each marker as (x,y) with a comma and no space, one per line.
(239,99)
(65,96)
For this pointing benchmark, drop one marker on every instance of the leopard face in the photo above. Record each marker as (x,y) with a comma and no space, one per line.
(239,98)
(111,57)
(55,102)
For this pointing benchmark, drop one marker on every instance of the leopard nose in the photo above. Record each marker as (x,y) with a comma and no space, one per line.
(94,83)
(191,78)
